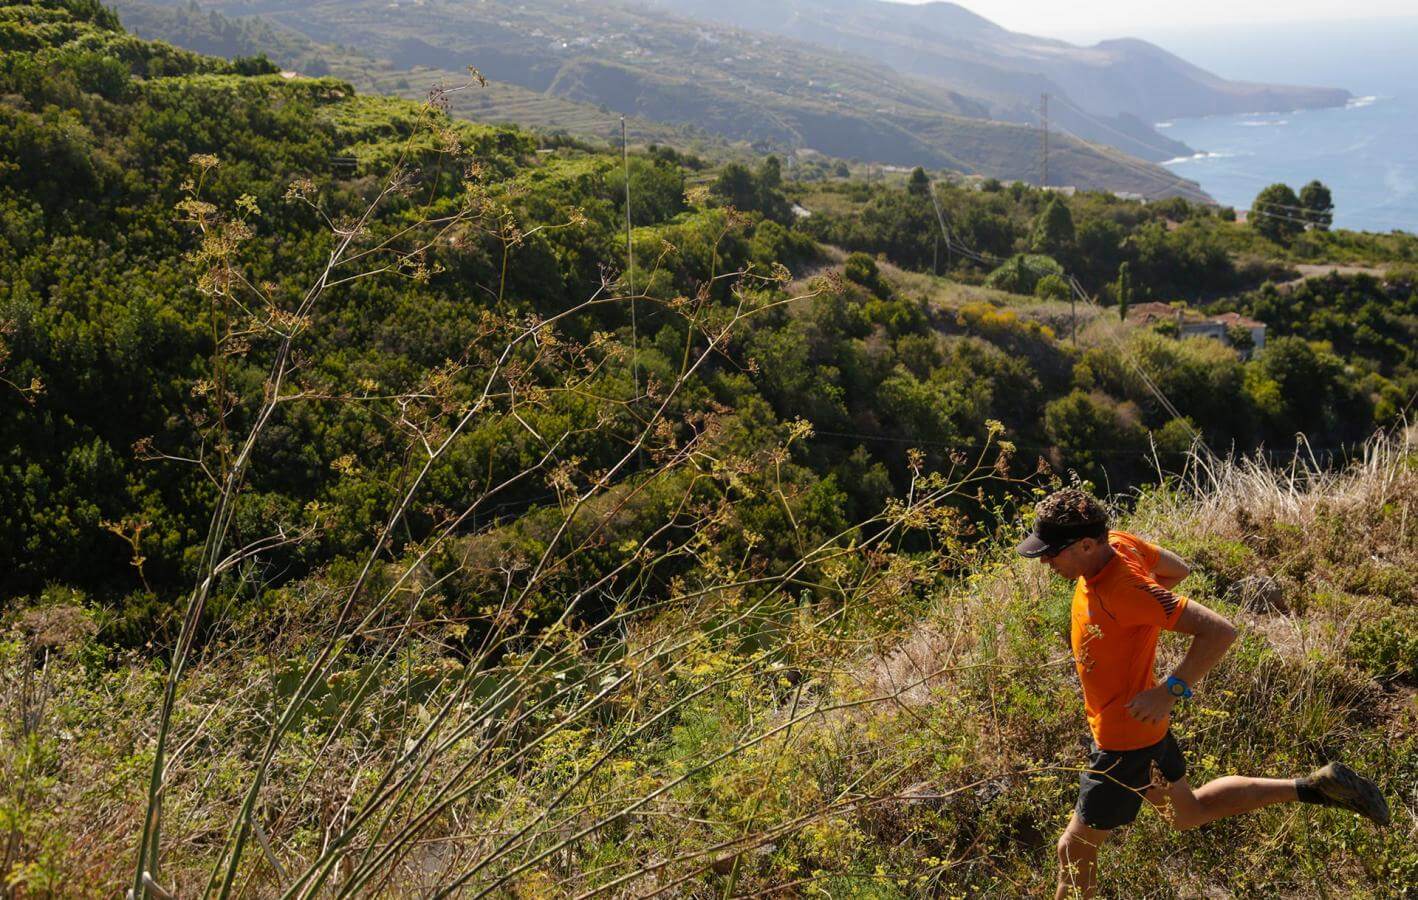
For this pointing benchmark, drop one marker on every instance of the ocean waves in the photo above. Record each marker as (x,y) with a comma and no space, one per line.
(1196,157)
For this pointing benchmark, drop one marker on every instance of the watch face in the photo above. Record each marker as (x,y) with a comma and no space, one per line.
(1176,689)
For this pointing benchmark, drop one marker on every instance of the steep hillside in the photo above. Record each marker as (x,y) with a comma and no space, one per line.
(370,524)
(207,31)
(1110,92)
(709,79)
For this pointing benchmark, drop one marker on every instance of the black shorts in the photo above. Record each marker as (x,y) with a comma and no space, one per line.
(1110,790)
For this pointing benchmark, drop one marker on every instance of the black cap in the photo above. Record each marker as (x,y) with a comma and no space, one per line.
(1046,539)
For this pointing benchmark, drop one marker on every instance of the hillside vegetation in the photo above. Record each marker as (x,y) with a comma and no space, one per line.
(370,524)
(207,31)
(1108,93)
(694,76)
(886,731)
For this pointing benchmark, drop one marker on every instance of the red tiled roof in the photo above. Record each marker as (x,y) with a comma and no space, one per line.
(1155,312)
(1151,312)
(1231,318)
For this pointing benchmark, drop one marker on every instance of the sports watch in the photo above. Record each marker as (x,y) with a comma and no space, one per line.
(1178,688)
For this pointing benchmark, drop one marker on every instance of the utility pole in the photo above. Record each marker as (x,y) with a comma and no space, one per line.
(1044,140)
(630,261)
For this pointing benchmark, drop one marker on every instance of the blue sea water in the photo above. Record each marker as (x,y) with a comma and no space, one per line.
(1366,152)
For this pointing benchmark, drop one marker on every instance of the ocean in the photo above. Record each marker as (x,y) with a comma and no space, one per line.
(1366,152)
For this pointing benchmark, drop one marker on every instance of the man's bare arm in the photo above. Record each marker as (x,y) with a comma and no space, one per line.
(1170,569)
(1212,635)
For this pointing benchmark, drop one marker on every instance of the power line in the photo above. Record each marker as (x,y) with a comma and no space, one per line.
(1179,182)
(1170,179)
(1111,450)
(1044,139)
(1286,206)
(1272,215)
(1101,124)
(1078,292)
(1126,162)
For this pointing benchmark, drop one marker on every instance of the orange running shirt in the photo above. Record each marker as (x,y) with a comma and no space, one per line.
(1117,615)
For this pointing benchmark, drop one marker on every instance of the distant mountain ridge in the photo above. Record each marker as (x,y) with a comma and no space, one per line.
(1127,83)
(777,92)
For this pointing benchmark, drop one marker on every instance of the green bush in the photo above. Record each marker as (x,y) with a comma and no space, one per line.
(1021,273)
(1387,647)
(1052,287)
(862,269)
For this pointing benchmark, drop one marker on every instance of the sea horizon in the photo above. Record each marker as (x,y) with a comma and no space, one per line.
(1366,151)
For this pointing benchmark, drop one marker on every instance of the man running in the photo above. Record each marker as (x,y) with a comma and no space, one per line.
(1121,601)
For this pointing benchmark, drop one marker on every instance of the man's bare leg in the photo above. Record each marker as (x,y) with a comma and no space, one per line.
(1078,860)
(1183,807)
(1228,796)
(1333,785)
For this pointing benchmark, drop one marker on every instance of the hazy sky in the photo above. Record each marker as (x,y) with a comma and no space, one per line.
(1119,18)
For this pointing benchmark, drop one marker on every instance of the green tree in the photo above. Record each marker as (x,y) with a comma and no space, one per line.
(1094,432)
(1309,380)
(986,231)
(737,186)
(1276,213)
(919,183)
(770,174)
(1187,261)
(759,191)
(1123,289)
(1239,337)
(1318,203)
(1053,229)
(656,190)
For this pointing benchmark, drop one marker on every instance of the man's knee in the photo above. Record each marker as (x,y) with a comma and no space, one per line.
(1074,848)
(1184,818)
(1177,805)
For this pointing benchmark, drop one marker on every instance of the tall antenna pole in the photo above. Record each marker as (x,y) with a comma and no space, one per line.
(1044,140)
(940,219)
(630,261)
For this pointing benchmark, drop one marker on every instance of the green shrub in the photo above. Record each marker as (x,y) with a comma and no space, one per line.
(862,269)
(1388,647)
(1052,287)
(1022,272)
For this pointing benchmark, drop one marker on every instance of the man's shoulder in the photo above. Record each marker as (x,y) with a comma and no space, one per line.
(1137,550)
(1132,583)
(1117,537)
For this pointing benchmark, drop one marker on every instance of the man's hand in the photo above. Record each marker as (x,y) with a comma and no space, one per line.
(1152,706)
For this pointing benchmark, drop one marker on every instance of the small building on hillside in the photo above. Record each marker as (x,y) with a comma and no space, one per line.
(1190,323)
(1236,320)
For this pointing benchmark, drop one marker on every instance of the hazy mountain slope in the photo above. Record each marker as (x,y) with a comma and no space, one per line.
(208,31)
(706,78)
(1125,83)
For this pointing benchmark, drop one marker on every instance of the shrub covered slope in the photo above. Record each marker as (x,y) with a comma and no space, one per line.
(368,523)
